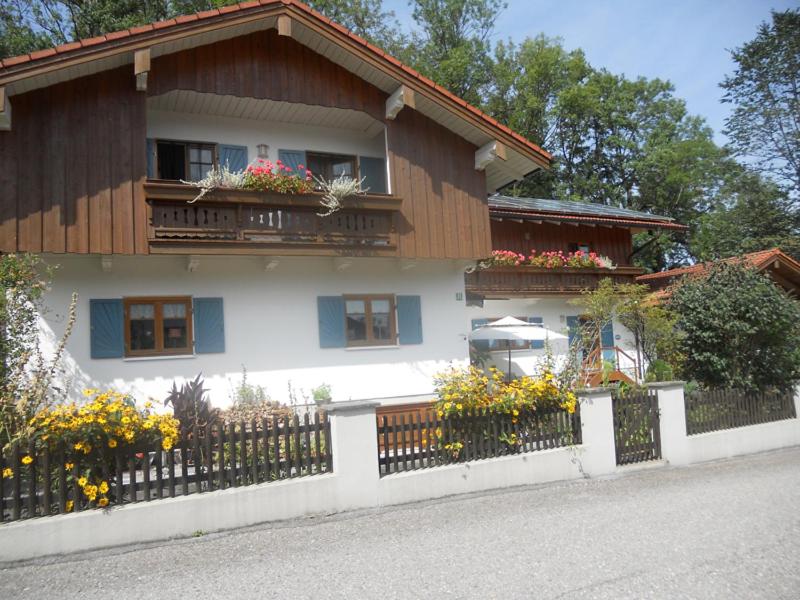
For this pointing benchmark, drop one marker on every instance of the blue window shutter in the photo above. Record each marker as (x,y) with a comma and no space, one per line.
(293,158)
(409,319)
(209,326)
(151,158)
(106,321)
(330,310)
(480,344)
(234,156)
(374,172)
(536,344)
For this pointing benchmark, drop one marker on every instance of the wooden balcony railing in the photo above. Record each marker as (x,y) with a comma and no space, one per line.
(523,281)
(243,221)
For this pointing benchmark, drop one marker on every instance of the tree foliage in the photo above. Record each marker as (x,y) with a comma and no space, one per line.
(765,93)
(750,214)
(740,329)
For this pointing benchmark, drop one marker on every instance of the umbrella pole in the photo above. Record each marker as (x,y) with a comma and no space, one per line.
(508,371)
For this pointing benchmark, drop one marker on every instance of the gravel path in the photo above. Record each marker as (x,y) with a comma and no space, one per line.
(720,530)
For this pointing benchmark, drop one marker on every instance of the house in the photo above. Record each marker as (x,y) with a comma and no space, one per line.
(369,299)
(780,267)
(602,236)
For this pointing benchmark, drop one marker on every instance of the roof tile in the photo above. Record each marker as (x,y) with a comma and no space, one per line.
(93,41)
(42,53)
(116,35)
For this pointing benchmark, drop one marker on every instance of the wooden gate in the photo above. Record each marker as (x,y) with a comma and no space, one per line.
(637,434)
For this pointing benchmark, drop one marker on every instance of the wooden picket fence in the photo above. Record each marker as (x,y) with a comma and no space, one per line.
(718,409)
(637,426)
(419,440)
(215,457)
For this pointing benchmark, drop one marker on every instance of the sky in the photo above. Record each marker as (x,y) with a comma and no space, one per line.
(684,41)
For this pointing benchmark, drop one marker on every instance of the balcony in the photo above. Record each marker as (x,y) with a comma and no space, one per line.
(525,281)
(249,222)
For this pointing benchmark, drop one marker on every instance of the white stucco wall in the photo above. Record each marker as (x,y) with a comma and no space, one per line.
(250,133)
(554,312)
(271,325)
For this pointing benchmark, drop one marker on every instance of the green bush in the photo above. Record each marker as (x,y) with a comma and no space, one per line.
(740,329)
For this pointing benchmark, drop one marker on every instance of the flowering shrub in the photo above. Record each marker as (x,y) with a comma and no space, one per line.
(548,260)
(264,176)
(92,432)
(506,258)
(463,392)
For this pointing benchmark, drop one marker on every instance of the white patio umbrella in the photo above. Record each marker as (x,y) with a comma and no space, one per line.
(511,329)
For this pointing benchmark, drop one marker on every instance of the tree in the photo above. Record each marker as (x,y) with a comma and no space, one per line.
(740,329)
(765,93)
(752,214)
(452,45)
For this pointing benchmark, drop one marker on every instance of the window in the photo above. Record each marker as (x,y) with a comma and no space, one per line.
(582,247)
(158,326)
(331,166)
(184,160)
(370,320)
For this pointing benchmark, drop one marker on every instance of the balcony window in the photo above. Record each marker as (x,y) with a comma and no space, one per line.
(158,326)
(184,160)
(331,166)
(370,320)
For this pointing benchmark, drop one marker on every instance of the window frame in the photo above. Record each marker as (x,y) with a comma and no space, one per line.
(371,341)
(158,317)
(575,246)
(187,164)
(353,160)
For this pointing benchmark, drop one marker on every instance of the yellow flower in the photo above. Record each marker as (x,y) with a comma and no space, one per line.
(82,481)
(103,487)
(102,502)
(27,459)
(69,506)
(8,473)
(459,406)
(112,443)
(441,413)
(68,466)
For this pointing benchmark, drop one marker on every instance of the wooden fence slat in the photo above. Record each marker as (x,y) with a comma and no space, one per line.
(276,446)
(243,471)
(317,443)
(47,483)
(221,455)
(307,439)
(233,478)
(159,464)
(254,451)
(171,472)
(197,460)
(209,457)
(62,479)
(265,443)
(119,484)
(146,475)
(184,466)
(132,475)
(31,503)
(328,449)
(296,445)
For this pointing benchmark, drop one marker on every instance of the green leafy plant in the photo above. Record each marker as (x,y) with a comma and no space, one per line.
(740,329)
(322,394)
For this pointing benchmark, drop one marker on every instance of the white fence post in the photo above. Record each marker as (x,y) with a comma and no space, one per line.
(597,431)
(672,417)
(354,445)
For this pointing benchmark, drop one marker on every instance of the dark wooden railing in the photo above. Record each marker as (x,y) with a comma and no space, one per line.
(211,458)
(419,441)
(250,224)
(522,281)
(714,410)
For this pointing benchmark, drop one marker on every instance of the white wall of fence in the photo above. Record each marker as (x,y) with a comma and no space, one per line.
(355,482)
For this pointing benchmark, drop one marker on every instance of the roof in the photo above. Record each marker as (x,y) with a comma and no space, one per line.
(14,67)
(587,212)
(784,269)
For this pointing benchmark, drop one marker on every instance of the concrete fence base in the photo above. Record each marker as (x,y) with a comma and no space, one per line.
(355,481)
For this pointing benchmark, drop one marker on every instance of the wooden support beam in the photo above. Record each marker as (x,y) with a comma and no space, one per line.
(488,153)
(5,110)
(400,98)
(285,25)
(141,67)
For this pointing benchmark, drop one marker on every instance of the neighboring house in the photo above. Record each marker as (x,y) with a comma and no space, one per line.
(780,267)
(369,300)
(542,295)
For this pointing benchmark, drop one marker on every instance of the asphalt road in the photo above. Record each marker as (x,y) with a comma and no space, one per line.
(720,530)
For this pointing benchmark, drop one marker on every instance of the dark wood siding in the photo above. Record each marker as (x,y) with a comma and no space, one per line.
(614,242)
(445,212)
(72,166)
(74,163)
(265,65)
